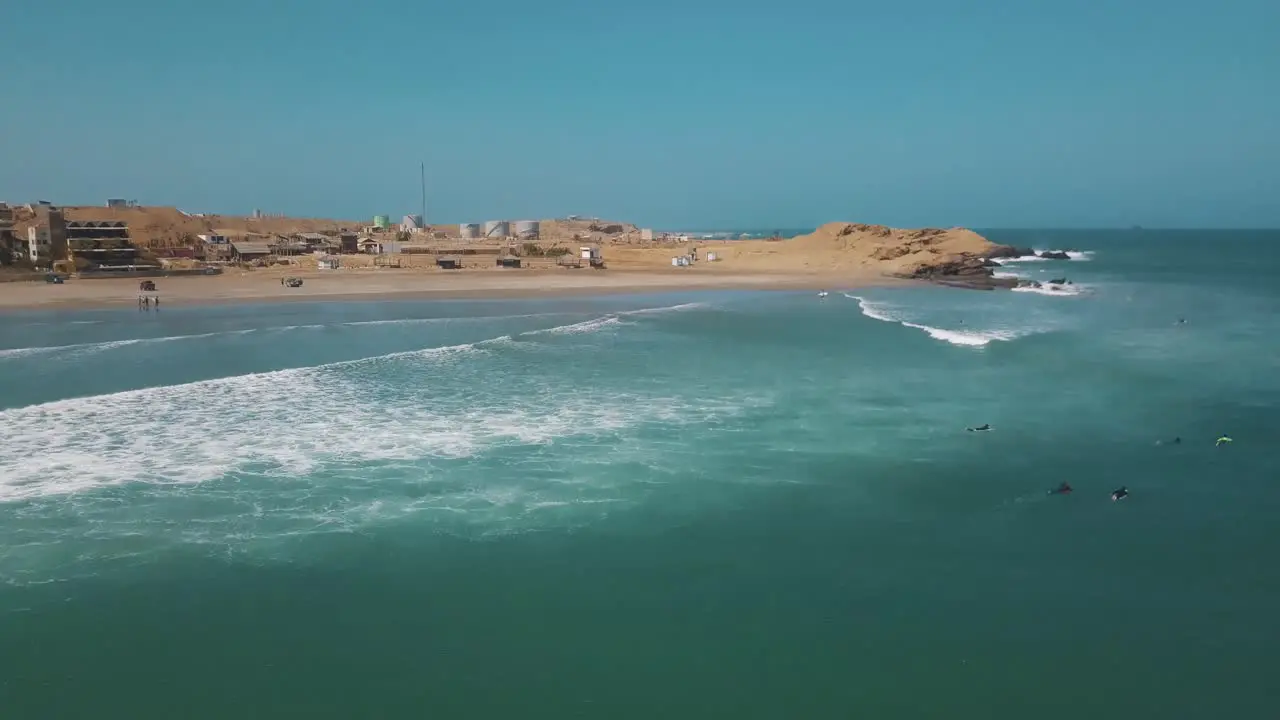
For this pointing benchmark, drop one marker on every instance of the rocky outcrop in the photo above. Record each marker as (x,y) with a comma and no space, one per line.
(1008,251)
(1055,255)
(965,271)
(950,256)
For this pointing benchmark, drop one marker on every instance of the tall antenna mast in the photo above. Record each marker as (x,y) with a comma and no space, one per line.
(423,168)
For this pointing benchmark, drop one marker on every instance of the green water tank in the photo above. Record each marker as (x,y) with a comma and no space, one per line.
(381,221)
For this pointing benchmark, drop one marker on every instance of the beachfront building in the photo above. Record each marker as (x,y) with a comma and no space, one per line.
(348,243)
(213,252)
(101,243)
(9,248)
(47,237)
(248,252)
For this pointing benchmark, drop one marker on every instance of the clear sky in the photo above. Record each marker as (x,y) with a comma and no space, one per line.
(670,113)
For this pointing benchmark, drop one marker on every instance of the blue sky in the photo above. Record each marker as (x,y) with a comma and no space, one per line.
(696,114)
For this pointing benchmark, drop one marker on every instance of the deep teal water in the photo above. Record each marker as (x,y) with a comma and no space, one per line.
(752,505)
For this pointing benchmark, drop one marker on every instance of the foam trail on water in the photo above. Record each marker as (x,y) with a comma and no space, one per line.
(967,338)
(109,345)
(287,423)
(659,310)
(615,319)
(587,326)
(435,320)
(114,344)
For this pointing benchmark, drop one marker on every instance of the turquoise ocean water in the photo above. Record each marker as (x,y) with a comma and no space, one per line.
(730,504)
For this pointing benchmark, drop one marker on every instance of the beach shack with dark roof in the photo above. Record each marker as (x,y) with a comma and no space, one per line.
(348,243)
(247,251)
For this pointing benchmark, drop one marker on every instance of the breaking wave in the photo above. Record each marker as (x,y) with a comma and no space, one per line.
(288,423)
(1072,255)
(484,437)
(963,338)
(88,348)
(1054,290)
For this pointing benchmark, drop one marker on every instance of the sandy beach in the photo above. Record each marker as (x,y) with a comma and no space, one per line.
(835,256)
(265,285)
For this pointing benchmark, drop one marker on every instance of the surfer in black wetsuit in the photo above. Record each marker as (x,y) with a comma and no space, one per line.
(1063,489)
(980,428)
(1175,441)
(1120,494)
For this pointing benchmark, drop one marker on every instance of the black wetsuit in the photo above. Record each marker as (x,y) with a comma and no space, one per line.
(1120,494)
(980,428)
(1062,489)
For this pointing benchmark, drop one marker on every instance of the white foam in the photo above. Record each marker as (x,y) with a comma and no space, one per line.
(1072,255)
(101,346)
(659,310)
(81,348)
(1054,290)
(289,423)
(87,348)
(435,320)
(587,326)
(963,338)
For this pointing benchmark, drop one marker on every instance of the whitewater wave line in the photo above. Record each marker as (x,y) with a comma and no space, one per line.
(975,339)
(114,344)
(288,423)
(1072,255)
(586,326)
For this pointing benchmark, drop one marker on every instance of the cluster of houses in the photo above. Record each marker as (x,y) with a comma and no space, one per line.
(221,248)
(51,239)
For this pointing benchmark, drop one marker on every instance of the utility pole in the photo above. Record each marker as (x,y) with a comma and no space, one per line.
(423,168)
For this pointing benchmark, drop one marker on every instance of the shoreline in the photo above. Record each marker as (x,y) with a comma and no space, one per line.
(372,286)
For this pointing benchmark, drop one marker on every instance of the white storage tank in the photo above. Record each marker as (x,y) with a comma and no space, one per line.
(469,231)
(497,229)
(711,257)
(528,228)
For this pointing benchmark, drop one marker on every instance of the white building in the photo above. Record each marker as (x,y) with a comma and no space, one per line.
(39,245)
